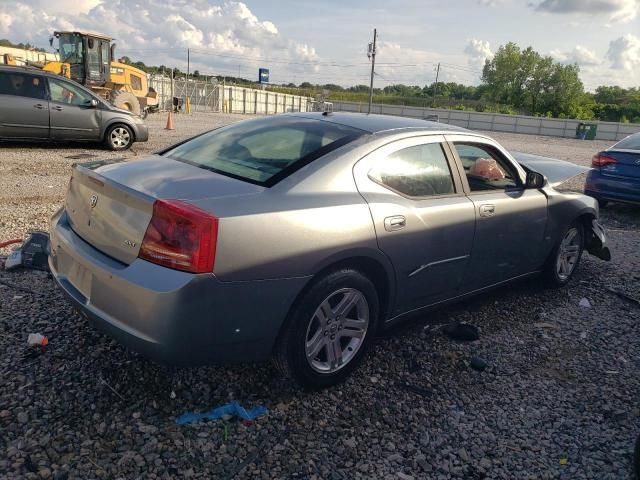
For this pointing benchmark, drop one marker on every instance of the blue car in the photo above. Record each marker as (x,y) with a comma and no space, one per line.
(615,175)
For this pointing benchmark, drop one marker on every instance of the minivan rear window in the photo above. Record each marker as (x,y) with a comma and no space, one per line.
(265,150)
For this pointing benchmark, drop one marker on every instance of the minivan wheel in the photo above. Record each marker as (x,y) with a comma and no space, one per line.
(564,259)
(328,330)
(118,137)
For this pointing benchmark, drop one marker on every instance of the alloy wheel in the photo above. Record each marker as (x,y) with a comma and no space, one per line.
(337,330)
(568,254)
(120,137)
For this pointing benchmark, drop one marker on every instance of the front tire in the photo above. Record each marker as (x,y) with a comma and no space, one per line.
(118,137)
(126,101)
(565,257)
(328,330)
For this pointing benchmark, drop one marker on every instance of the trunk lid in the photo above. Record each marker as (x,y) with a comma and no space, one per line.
(110,203)
(628,163)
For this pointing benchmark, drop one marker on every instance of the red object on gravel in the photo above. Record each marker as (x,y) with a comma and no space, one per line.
(10,242)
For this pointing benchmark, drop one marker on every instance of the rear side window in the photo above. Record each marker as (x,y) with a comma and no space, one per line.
(632,142)
(417,171)
(263,151)
(21,85)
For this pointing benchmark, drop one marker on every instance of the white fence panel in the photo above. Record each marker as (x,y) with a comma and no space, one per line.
(497,122)
(208,97)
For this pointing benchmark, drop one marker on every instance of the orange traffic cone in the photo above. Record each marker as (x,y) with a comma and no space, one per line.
(169,121)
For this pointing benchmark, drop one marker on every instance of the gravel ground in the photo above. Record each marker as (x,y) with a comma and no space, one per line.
(558,400)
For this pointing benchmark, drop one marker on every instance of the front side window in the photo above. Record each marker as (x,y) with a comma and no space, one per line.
(485,168)
(263,151)
(21,85)
(65,92)
(418,171)
(71,48)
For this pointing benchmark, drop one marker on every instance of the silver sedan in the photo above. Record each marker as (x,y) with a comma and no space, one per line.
(300,236)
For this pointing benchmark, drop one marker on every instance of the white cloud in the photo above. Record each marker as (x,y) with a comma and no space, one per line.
(580,55)
(624,53)
(478,51)
(159,32)
(618,10)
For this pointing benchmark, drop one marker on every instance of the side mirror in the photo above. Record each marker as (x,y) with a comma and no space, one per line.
(93,103)
(535,180)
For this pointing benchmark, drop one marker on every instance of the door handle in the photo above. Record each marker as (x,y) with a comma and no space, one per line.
(58,108)
(39,106)
(394,223)
(487,210)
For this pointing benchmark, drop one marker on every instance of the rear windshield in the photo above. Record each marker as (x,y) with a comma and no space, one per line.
(632,142)
(263,151)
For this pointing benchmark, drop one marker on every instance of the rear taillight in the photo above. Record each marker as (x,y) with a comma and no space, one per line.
(602,160)
(180,236)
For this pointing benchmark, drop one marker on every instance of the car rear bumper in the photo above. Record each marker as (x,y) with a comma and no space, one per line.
(170,316)
(618,189)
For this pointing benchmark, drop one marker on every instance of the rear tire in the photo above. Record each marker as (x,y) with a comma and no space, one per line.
(126,101)
(118,138)
(329,330)
(565,257)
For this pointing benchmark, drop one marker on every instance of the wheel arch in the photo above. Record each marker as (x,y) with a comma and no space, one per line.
(371,263)
(113,123)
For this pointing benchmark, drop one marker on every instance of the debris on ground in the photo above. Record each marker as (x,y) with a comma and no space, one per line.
(478,364)
(233,409)
(10,242)
(413,365)
(624,296)
(545,325)
(33,253)
(418,390)
(584,303)
(37,339)
(461,332)
(14,260)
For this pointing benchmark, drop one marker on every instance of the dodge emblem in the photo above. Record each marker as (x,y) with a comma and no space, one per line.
(93,201)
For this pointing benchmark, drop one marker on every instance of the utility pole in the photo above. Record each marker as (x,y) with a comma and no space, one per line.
(188,62)
(435,88)
(372,55)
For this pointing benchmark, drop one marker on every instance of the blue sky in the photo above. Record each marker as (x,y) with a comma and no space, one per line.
(325,41)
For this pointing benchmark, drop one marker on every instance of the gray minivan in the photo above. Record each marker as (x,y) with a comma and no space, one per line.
(37,105)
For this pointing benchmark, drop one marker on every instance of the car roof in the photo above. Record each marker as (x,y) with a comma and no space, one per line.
(374,123)
(28,69)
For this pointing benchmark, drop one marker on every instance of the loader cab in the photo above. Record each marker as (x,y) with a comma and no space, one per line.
(88,55)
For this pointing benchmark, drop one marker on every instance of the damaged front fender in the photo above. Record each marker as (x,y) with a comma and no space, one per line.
(596,241)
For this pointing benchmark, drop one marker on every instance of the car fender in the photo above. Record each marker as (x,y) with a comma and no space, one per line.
(117,119)
(356,256)
(564,209)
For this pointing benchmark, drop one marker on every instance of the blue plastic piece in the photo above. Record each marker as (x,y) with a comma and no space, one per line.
(232,408)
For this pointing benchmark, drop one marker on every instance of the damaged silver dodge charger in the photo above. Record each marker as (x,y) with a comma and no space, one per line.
(300,236)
